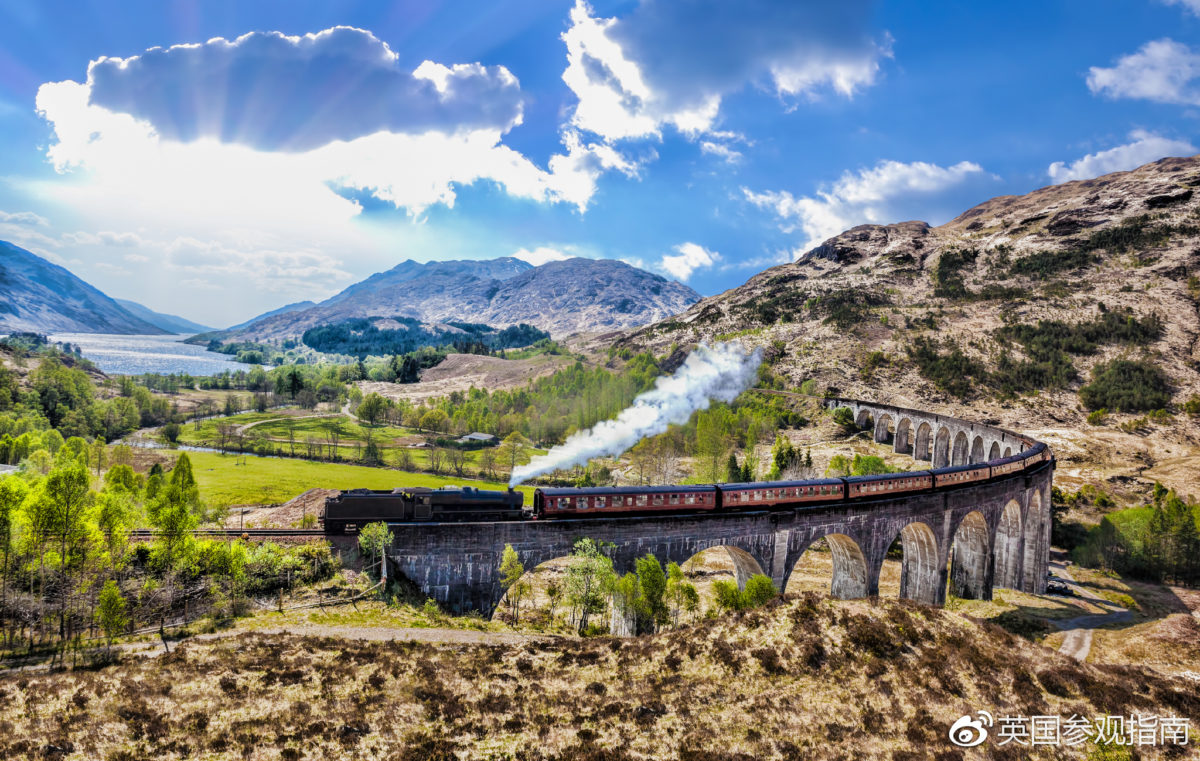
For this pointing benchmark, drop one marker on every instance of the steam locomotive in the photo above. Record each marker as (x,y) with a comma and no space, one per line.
(350,510)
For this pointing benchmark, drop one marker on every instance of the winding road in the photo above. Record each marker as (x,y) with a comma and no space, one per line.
(1078,642)
(344,412)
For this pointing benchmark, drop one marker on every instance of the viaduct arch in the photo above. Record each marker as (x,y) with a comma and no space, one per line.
(972,537)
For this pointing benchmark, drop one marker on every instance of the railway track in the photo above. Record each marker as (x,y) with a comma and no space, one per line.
(251,532)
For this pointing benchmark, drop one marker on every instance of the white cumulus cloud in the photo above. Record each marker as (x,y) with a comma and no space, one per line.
(721,151)
(689,258)
(104,238)
(1191,5)
(1163,71)
(274,181)
(24,218)
(540,255)
(1143,148)
(271,270)
(672,63)
(885,193)
(273,91)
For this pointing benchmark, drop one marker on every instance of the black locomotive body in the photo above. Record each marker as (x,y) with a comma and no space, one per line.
(351,510)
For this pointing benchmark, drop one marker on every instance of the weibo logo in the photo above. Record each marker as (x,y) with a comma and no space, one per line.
(968,732)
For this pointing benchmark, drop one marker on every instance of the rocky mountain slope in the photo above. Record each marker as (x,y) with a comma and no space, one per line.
(296,307)
(947,318)
(38,296)
(168,322)
(562,297)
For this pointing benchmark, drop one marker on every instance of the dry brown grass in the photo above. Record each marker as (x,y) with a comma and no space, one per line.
(459,372)
(805,678)
(1170,645)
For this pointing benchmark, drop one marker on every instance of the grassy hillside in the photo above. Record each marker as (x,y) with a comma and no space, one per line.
(806,678)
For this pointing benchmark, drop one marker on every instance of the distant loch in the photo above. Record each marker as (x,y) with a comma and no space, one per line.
(134,355)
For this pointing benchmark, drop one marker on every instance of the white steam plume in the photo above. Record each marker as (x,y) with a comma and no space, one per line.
(720,372)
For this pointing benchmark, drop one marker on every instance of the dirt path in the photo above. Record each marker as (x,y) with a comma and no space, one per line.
(434,636)
(1078,641)
(344,413)
(390,634)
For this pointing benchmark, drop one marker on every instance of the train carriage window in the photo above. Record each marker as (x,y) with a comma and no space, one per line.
(757,496)
(641,500)
(690,499)
(600,501)
(674,499)
(629,500)
(658,499)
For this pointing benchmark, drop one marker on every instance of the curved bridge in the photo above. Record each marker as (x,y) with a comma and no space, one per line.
(975,537)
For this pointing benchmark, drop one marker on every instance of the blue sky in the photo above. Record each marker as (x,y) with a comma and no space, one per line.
(218,159)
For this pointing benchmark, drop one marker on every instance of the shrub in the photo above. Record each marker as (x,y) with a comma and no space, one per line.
(873,362)
(839,465)
(1096,417)
(848,307)
(170,432)
(869,465)
(952,370)
(431,610)
(872,636)
(759,591)
(1042,264)
(845,418)
(1127,386)
(1192,406)
(728,596)
(948,280)
(769,659)
(1048,344)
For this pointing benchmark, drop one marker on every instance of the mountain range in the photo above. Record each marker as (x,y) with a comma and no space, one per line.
(562,297)
(39,296)
(167,322)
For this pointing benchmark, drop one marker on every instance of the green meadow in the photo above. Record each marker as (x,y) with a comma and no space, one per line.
(233,479)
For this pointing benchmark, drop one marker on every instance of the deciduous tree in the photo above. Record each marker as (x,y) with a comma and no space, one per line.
(110,611)
(516,587)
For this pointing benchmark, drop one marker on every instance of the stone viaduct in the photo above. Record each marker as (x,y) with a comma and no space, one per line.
(973,537)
